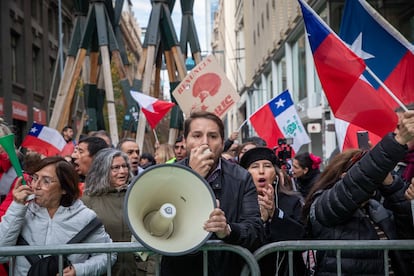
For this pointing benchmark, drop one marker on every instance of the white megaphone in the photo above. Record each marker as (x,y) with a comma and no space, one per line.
(166,207)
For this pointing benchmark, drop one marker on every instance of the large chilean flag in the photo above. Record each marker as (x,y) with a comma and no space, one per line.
(385,51)
(350,96)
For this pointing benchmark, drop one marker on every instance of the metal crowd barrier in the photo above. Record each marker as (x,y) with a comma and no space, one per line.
(251,268)
(121,247)
(336,245)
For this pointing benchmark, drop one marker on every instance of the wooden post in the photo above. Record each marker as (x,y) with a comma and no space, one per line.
(109,93)
(65,110)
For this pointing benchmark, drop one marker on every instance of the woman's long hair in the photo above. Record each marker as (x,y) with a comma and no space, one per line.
(333,172)
(98,180)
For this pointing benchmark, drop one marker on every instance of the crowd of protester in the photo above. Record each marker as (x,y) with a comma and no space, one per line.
(359,195)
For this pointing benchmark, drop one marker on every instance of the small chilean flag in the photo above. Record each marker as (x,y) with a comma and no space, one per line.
(44,140)
(279,119)
(153,109)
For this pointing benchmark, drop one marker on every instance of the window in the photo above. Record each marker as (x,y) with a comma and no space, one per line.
(299,67)
(262,21)
(34,9)
(267,11)
(14,40)
(281,75)
(36,69)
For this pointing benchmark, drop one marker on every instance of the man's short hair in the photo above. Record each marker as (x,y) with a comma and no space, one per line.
(179,139)
(66,128)
(95,144)
(204,115)
(122,141)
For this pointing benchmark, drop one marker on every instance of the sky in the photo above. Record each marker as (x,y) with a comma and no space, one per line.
(142,10)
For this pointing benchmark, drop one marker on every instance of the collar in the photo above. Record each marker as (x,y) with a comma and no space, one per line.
(215,174)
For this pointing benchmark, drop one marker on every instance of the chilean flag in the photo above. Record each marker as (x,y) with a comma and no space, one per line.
(350,96)
(44,140)
(346,134)
(385,51)
(153,109)
(279,119)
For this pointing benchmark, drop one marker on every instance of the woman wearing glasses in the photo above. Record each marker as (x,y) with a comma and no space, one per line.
(357,198)
(53,215)
(280,207)
(105,189)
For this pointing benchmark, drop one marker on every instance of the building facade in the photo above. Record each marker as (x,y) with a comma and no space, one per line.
(271,54)
(28,58)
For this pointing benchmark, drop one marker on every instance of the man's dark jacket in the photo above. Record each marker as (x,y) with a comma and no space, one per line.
(235,190)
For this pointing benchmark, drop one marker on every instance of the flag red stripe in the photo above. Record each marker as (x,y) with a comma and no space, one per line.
(40,146)
(351,99)
(265,126)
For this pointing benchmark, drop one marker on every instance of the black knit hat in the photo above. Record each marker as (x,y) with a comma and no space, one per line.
(256,154)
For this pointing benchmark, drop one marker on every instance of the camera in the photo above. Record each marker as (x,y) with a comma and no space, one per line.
(285,141)
(283,153)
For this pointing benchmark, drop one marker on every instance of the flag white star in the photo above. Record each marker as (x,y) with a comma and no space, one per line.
(33,129)
(357,48)
(280,103)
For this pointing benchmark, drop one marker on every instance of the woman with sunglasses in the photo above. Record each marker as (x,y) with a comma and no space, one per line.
(47,211)
(280,208)
(357,198)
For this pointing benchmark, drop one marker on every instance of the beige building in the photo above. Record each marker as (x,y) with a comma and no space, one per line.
(263,47)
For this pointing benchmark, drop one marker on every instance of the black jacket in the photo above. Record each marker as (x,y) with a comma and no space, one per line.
(235,190)
(286,224)
(348,211)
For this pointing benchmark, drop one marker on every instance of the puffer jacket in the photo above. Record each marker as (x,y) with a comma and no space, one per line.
(37,228)
(347,212)
(235,190)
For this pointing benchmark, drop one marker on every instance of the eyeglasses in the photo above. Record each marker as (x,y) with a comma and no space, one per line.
(43,180)
(358,156)
(116,168)
(179,147)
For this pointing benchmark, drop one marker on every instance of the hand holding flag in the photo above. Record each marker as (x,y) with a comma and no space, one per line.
(153,109)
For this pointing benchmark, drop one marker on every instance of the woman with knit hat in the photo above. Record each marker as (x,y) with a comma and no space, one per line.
(280,207)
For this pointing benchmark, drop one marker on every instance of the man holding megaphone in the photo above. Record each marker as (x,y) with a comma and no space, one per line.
(236,219)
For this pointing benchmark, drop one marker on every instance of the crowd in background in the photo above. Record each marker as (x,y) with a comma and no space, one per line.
(262,198)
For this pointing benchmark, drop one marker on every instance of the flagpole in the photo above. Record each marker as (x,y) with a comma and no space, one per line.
(242,124)
(156,137)
(245,121)
(395,98)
